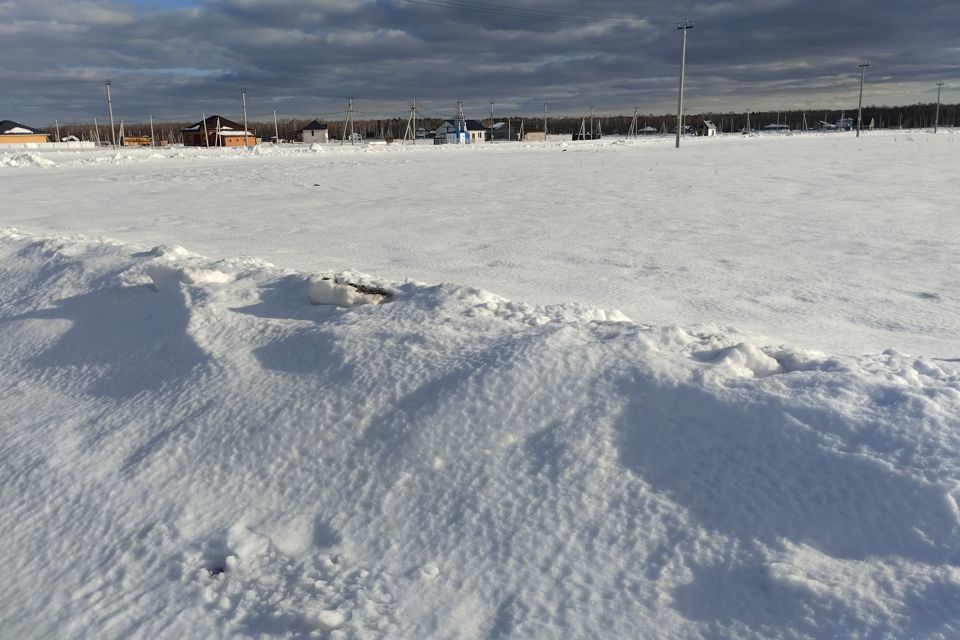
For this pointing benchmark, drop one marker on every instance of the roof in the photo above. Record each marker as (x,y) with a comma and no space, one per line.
(211,124)
(9,127)
(709,125)
(315,126)
(472,125)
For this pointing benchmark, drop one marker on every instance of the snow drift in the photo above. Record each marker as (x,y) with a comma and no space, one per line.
(197,448)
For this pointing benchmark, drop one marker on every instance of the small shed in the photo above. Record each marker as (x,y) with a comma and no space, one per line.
(707,129)
(315,132)
(15,133)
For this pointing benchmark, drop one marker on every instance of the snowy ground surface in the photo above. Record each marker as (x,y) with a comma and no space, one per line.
(199,445)
(829,242)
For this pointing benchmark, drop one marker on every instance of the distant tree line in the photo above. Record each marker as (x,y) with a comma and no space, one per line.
(908,117)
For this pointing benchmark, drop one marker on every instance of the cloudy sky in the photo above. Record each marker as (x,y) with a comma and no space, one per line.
(305,57)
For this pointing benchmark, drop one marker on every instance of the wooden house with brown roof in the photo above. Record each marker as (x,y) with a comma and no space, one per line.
(217,131)
(15,133)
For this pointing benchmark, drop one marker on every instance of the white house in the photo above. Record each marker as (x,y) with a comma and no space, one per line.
(460,132)
(315,132)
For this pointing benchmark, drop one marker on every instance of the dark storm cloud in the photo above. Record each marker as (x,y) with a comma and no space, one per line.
(304,57)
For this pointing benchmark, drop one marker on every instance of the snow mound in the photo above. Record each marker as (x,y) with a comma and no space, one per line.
(192,449)
(25,160)
(338,291)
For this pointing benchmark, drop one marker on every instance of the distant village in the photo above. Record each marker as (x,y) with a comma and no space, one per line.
(220,131)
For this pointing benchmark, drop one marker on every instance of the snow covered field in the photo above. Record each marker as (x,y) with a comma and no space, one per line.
(194,443)
(829,242)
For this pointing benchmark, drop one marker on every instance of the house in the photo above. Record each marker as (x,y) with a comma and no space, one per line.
(70,138)
(502,131)
(777,128)
(845,123)
(315,132)
(460,132)
(647,131)
(217,131)
(15,133)
(534,136)
(707,129)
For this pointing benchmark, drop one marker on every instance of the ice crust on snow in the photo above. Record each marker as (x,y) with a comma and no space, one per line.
(196,455)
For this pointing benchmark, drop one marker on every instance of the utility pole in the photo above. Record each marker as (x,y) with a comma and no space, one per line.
(57,122)
(348,123)
(491,121)
(206,134)
(936,118)
(461,124)
(411,131)
(544,121)
(151,130)
(243,96)
(276,129)
(592,129)
(113,135)
(863,65)
(683,27)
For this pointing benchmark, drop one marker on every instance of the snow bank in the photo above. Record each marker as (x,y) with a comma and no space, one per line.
(25,160)
(192,449)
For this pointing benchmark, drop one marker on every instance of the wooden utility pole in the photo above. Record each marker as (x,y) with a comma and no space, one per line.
(276,129)
(151,130)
